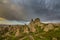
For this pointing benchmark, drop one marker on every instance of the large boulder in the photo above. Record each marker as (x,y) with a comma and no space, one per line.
(48,27)
(54,38)
(37,20)
(17,32)
(33,24)
(26,30)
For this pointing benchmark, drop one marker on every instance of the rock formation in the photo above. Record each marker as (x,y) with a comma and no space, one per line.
(35,30)
(48,27)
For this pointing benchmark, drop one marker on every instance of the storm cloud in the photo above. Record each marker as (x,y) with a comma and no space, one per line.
(46,10)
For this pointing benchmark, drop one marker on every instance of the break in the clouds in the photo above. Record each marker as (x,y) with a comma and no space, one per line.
(46,10)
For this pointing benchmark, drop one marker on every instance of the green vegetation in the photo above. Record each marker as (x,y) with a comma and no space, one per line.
(33,31)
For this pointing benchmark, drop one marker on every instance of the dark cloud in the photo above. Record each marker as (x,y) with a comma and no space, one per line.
(28,9)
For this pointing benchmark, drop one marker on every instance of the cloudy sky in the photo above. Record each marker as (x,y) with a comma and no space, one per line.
(46,10)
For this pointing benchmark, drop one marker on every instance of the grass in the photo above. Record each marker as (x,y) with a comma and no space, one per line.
(38,35)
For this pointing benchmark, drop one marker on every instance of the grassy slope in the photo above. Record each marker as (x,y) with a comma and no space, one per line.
(38,35)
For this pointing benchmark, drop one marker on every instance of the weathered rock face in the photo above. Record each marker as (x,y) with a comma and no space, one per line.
(26,30)
(56,29)
(31,26)
(37,20)
(42,26)
(54,38)
(33,23)
(17,33)
(48,27)
(34,30)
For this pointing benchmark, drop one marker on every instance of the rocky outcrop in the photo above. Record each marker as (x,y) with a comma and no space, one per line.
(34,31)
(33,23)
(26,30)
(17,32)
(48,27)
(54,38)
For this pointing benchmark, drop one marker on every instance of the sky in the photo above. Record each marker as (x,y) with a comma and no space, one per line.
(46,10)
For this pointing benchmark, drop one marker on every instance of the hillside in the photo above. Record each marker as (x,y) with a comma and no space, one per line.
(35,30)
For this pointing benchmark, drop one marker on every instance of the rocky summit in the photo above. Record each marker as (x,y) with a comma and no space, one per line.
(35,30)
